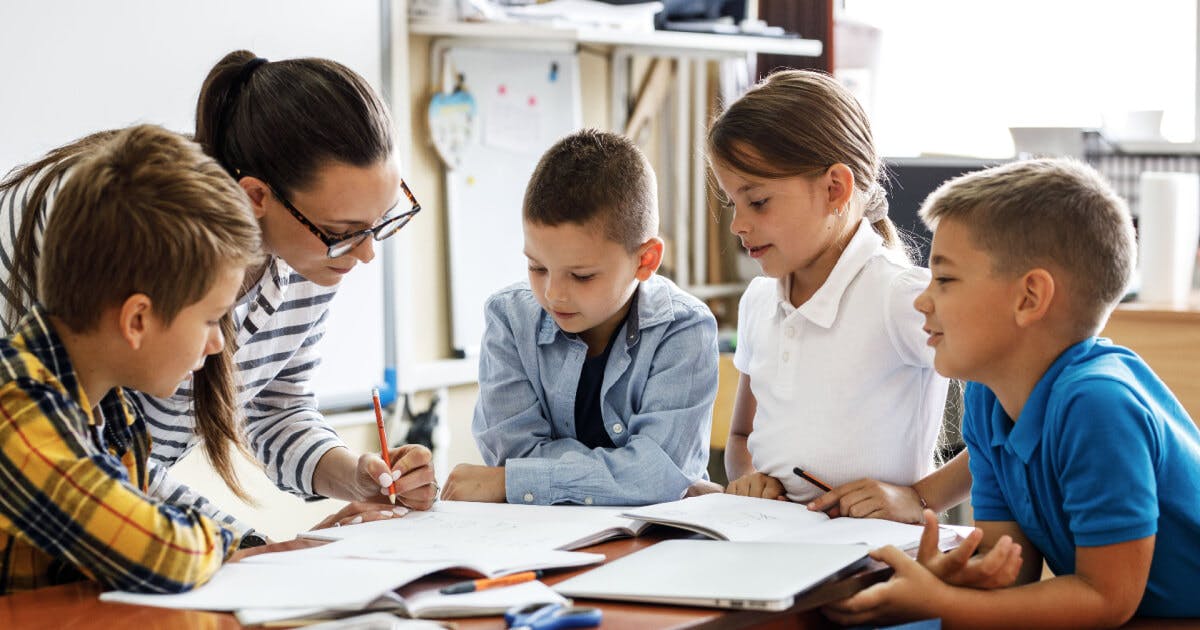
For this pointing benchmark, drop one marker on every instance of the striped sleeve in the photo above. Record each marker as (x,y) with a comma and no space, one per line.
(77,503)
(13,205)
(167,489)
(286,431)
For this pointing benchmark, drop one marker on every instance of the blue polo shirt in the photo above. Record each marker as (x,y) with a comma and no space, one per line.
(1102,453)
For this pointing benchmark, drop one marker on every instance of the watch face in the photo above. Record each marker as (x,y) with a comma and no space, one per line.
(252,540)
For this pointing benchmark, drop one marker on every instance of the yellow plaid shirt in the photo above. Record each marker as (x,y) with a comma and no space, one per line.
(74,502)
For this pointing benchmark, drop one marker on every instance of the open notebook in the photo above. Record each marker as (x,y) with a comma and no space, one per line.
(500,524)
(327,578)
(737,518)
(720,574)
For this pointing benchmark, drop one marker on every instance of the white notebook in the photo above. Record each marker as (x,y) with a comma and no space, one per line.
(500,524)
(717,574)
(738,518)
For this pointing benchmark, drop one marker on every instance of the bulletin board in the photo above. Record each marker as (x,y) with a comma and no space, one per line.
(525,102)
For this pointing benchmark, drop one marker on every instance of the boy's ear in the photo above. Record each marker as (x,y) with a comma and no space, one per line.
(649,258)
(258,191)
(1037,290)
(840,182)
(133,319)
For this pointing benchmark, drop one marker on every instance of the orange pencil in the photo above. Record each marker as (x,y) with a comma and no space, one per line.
(470,586)
(383,443)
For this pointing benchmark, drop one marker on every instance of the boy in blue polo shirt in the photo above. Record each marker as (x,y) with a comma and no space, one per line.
(1080,455)
(596,377)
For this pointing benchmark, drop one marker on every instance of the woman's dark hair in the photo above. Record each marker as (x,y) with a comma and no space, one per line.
(281,121)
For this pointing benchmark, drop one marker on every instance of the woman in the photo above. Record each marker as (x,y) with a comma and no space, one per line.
(311,145)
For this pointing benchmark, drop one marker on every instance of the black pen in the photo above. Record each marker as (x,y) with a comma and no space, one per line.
(811,479)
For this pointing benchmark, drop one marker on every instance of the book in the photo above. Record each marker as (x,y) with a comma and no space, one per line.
(425,604)
(747,519)
(310,581)
(503,525)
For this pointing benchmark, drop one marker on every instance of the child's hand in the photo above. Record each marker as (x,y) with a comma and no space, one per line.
(910,594)
(998,568)
(469,482)
(703,486)
(411,470)
(868,498)
(357,512)
(287,545)
(757,485)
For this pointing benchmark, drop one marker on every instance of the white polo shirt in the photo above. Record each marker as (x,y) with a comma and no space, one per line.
(845,383)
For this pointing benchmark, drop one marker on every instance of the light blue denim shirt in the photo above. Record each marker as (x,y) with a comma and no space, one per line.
(656,401)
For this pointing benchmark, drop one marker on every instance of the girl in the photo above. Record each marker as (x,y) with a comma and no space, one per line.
(310,143)
(836,380)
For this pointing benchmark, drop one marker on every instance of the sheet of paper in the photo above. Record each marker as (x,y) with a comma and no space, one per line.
(747,519)
(490,524)
(488,559)
(733,517)
(342,583)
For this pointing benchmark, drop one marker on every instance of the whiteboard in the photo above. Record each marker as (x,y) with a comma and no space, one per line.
(71,67)
(526,101)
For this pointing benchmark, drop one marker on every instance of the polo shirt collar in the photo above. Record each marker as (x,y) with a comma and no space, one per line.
(651,306)
(1024,436)
(822,308)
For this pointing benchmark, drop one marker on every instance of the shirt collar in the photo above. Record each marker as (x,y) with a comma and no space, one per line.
(822,308)
(1025,435)
(41,341)
(651,305)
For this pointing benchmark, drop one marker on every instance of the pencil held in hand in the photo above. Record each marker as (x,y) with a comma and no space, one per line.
(383,443)
(811,479)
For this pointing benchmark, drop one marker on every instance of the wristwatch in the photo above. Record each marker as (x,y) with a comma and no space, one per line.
(252,540)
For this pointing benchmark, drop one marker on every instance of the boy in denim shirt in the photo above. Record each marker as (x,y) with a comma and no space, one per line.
(596,377)
(1080,455)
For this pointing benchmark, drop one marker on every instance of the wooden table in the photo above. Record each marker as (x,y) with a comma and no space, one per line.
(77,606)
(1168,338)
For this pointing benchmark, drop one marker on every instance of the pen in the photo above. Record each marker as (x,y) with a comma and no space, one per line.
(383,443)
(811,479)
(470,586)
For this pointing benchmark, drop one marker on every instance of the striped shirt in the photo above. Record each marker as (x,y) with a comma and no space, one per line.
(279,322)
(74,503)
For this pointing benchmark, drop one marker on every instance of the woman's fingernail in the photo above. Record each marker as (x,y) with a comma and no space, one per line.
(400,511)
(356,520)
(396,474)
(385,479)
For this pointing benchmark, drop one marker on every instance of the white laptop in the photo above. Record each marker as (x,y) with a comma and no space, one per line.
(718,573)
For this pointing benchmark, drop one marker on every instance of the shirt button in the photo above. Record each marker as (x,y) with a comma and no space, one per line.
(785,357)
(587,501)
(528,497)
(790,331)
(617,428)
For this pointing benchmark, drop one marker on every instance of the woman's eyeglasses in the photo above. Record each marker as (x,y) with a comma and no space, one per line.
(389,224)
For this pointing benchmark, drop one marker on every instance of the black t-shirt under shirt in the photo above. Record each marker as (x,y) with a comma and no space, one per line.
(589,422)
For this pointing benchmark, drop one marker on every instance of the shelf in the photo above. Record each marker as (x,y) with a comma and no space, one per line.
(703,44)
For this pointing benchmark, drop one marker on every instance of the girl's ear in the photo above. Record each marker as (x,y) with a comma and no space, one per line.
(649,258)
(134,319)
(1036,293)
(258,191)
(840,183)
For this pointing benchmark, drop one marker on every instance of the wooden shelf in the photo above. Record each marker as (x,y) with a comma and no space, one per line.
(703,44)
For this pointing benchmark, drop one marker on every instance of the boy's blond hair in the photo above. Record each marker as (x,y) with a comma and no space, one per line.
(145,211)
(594,175)
(1057,213)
